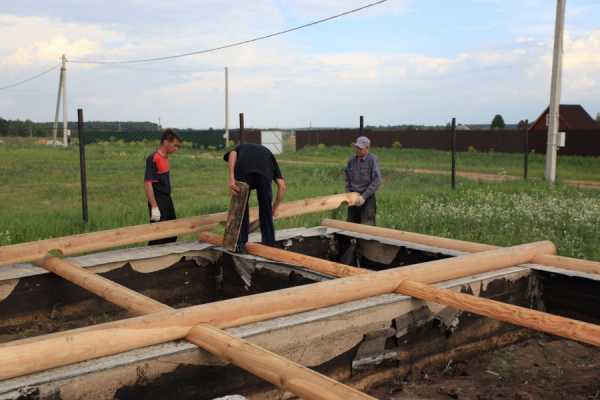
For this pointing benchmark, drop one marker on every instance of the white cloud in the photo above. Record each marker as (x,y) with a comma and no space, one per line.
(39,41)
(581,66)
(44,52)
(277,82)
(582,54)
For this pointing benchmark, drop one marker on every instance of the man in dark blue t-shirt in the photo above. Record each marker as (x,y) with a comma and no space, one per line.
(157,182)
(256,165)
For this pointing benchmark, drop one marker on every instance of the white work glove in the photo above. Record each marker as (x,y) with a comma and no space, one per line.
(360,201)
(155,214)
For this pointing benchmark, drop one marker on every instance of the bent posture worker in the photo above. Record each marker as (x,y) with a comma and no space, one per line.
(157,182)
(363,176)
(255,165)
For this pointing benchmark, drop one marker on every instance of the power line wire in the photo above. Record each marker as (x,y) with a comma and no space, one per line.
(142,60)
(157,69)
(12,85)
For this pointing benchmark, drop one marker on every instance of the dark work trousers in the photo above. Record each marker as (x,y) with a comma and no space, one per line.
(167,213)
(364,214)
(264,195)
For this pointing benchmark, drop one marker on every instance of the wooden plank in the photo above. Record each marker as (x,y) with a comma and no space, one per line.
(235,215)
(63,348)
(269,366)
(551,260)
(102,240)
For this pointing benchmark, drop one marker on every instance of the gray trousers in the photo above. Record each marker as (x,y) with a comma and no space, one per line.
(364,214)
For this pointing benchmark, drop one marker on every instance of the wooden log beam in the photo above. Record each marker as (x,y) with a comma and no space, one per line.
(134,302)
(573,264)
(429,272)
(289,257)
(551,260)
(269,366)
(102,240)
(428,240)
(413,286)
(310,205)
(63,348)
(303,382)
(540,321)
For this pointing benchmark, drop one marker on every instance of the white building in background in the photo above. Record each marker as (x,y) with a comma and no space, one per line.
(272,140)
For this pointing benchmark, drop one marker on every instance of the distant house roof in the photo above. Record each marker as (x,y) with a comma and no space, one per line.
(570,116)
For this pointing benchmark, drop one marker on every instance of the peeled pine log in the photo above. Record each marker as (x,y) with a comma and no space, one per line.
(311,205)
(412,286)
(303,382)
(428,240)
(269,366)
(40,353)
(102,240)
(289,257)
(540,321)
(573,264)
(428,272)
(134,302)
(551,260)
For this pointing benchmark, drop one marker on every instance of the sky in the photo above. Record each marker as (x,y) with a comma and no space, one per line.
(400,62)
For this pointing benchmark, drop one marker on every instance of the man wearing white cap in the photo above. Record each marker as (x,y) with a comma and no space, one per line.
(363,176)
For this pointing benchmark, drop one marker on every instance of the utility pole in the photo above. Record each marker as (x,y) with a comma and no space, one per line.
(226,106)
(64,99)
(61,79)
(553,109)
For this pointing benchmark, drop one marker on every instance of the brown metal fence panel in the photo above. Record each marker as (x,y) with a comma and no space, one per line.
(578,142)
(250,136)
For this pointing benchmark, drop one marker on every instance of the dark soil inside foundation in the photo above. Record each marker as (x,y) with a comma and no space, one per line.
(541,367)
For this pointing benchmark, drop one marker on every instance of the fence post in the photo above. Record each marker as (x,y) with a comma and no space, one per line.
(82,169)
(242,138)
(361,126)
(453,146)
(525,149)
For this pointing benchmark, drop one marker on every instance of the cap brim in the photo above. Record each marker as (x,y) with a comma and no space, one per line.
(358,146)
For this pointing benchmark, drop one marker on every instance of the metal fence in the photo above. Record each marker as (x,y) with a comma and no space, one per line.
(211,138)
(578,142)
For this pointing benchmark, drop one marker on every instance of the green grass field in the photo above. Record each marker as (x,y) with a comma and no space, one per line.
(569,167)
(40,193)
